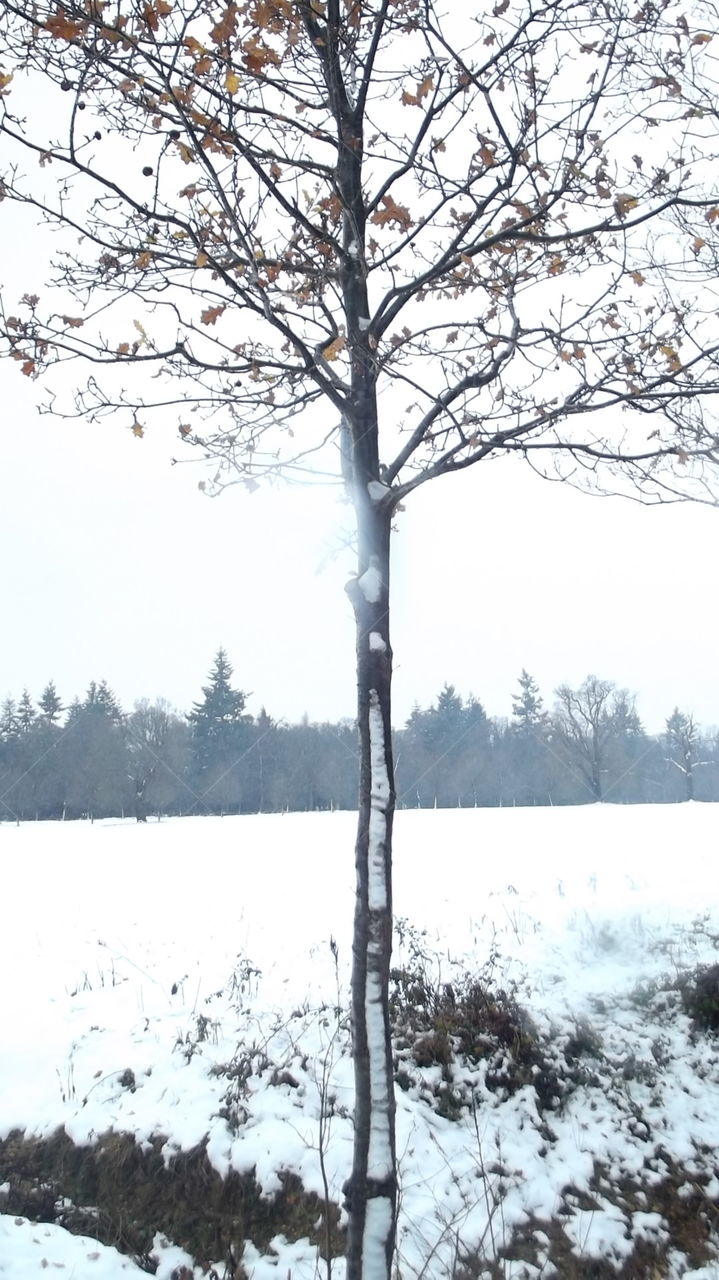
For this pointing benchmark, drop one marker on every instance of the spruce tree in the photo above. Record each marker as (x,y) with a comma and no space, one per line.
(527,705)
(9,723)
(221,706)
(25,712)
(94,757)
(101,699)
(50,704)
(218,726)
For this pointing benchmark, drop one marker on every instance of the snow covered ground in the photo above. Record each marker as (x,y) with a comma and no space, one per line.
(143,968)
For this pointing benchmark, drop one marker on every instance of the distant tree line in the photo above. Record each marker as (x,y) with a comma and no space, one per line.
(92,759)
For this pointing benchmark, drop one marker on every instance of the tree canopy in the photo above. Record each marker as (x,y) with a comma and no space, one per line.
(285,203)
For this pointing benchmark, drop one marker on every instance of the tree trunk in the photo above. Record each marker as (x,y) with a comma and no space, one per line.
(140,804)
(689,782)
(372,1189)
(596,769)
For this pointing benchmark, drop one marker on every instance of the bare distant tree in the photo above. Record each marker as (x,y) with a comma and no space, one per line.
(388,239)
(586,720)
(151,733)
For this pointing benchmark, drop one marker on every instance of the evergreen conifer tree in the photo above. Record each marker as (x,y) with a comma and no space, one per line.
(528,706)
(218,726)
(222,706)
(50,704)
(9,723)
(94,756)
(25,712)
(101,699)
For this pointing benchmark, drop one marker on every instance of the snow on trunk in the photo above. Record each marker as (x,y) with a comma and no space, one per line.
(379,800)
(372,1188)
(377,1229)
(379,1158)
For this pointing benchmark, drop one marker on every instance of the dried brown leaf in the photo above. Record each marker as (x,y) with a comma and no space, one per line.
(392,212)
(211,314)
(624,203)
(64,28)
(332,351)
(226,27)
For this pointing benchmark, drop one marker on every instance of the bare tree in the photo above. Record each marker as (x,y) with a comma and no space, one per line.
(151,735)
(497,229)
(585,722)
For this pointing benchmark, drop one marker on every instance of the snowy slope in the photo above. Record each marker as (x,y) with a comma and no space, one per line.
(138,962)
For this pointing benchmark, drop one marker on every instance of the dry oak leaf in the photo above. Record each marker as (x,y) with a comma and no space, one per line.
(211,314)
(423,88)
(226,26)
(269,15)
(623,204)
(152,12)
(187,155)
(232,82)
(193,46)
(392,212)
(332,351)
(671,356)
(258,56)
(137,430)
(62,27)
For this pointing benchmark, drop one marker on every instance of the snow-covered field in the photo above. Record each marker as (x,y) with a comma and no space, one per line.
(144,967)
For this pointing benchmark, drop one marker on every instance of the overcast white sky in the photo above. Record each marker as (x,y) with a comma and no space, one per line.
(117,567)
